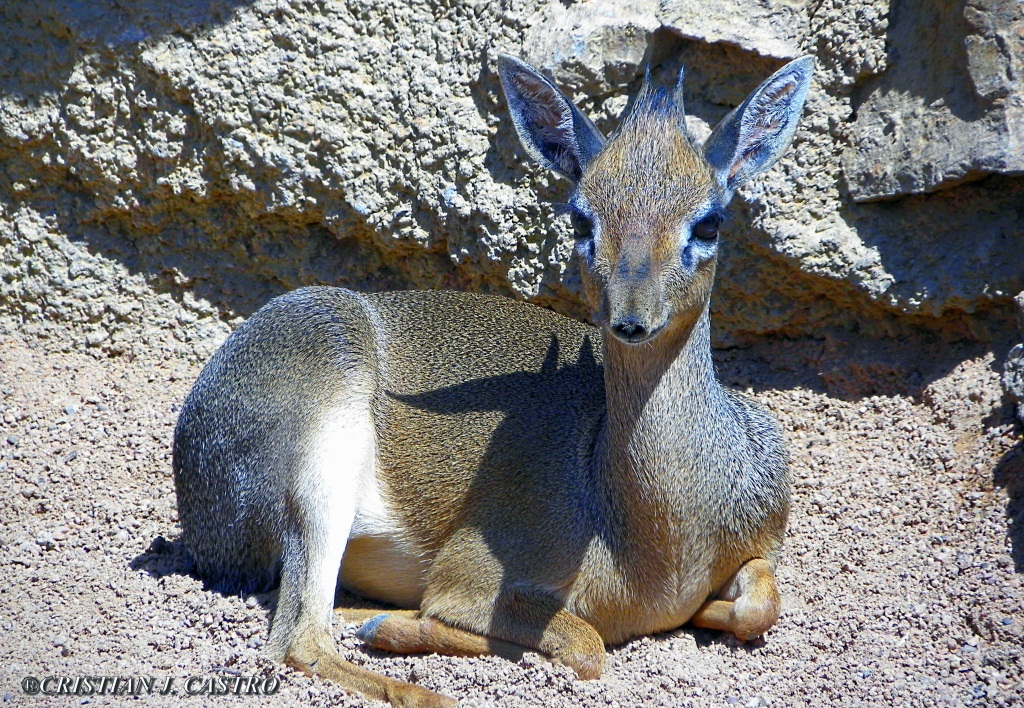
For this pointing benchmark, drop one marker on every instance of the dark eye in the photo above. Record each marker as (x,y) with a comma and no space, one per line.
(707,228)
(582,226)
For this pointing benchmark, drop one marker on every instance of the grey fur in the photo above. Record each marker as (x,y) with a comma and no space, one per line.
(244,428)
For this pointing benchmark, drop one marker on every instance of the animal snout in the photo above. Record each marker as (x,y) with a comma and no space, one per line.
(631,330)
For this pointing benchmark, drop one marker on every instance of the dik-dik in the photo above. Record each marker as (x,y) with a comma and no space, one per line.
(517,480)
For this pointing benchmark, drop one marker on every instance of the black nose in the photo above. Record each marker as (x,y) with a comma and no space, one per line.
(630,330)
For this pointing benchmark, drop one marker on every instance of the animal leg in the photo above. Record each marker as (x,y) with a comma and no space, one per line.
(312,548)
(300,633)
(537,620)
(312,651)
(521,622)
(747,606)
(406,632)
(351,615)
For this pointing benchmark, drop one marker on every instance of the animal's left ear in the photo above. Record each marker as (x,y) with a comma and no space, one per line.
(750,139)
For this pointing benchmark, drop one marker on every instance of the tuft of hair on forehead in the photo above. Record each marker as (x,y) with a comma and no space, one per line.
(653,100)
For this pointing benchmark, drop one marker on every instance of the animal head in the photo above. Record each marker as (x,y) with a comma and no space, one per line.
(647,203)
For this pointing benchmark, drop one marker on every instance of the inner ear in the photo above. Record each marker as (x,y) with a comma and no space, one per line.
(544,107)
(752,137)
(548,118)
(552,130)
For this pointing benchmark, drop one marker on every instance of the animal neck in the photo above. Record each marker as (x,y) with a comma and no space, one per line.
(648,387)
(667,419)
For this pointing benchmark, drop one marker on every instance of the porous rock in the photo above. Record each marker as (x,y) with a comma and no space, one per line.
(166,170)
(951,109)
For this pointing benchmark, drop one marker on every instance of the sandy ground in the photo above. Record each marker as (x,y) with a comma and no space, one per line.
(902,572)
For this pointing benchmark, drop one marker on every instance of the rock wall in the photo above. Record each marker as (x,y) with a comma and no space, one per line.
(165,168)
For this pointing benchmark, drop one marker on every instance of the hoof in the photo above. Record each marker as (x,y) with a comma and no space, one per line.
(368,630)
(588,667)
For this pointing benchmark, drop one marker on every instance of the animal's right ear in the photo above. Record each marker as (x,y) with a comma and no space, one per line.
(552,130)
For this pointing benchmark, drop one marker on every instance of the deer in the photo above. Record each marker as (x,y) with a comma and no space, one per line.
(506,478)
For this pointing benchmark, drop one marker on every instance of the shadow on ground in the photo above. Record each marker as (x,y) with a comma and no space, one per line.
(164,558)
(1009,474)
(849,367)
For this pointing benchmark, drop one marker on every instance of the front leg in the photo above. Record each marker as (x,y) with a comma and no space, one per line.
(539,621)
(405,632)
(520,621)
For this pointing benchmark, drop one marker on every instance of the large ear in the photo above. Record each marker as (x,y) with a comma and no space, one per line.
(750,139)
(552,130)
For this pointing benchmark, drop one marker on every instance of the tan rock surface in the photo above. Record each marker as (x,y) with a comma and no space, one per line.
(173,168)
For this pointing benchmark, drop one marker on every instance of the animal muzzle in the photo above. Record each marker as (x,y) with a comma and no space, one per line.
(634,304)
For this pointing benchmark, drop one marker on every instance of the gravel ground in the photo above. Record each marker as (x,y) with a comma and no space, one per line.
(901,575)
